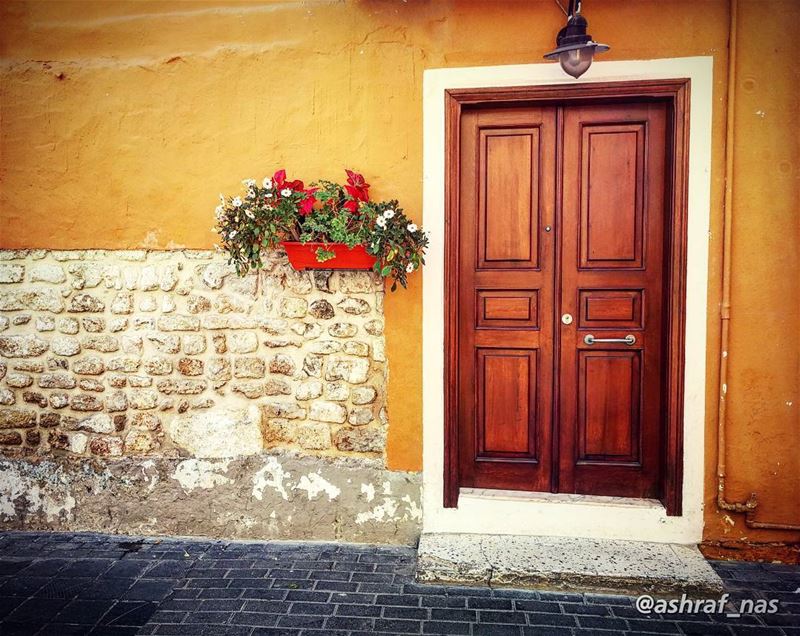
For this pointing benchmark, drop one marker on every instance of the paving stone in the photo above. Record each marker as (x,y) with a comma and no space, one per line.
(83,612)
(444,601)
(349,623)
(496,630)
(602,622)
(454,614)
(222,592)
(106,588)
(527,605)
(12,567)
(302,621)
(167,569)
(397,626)
(254,618)
(36,610)
(412,613)
(23,586)
(149,590)
(551,619)
(435,627)
(8,604)
(308,596)
(359,610)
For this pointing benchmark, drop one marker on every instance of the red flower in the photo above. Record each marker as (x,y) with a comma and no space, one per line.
(357,188)
(307,204)
(357,193)
(279,182)
(355,179)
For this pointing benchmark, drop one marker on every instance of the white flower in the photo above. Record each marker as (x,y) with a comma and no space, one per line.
(388,214)
(232,234)
(380,222)
(410,267)
(251,193)
(269,195)
(219,212)
(237,202)
(249,214)
(412,227)
(286,192)
(249,183)
(267,183)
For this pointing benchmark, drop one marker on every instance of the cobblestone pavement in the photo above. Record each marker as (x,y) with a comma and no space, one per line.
(97,584)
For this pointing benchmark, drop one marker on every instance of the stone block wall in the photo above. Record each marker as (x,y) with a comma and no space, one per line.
(168,357)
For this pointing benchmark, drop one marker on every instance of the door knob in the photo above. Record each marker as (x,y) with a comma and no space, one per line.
(566,319)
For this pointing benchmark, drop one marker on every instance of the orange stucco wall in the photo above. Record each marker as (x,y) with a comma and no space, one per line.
(122,121)
(764,354)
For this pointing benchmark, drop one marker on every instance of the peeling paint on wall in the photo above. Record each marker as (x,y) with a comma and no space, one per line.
(200,473)
(369,491)
(19,490)
(383,512)
(276,477)
(314,484)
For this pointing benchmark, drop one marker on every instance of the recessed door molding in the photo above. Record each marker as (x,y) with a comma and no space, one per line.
(685,85)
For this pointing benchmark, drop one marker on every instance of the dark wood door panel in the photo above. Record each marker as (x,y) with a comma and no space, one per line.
(609,392)
(509,203)
(612,214)
(505,343)
(506,414)
(611,426)
(610,309)
(507,309)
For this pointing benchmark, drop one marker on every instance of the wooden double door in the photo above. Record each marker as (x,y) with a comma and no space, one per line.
(561,298)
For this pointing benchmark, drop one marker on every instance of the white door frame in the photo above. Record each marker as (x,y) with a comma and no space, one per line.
(497,512)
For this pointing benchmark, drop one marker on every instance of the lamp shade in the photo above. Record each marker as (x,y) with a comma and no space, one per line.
(575,48)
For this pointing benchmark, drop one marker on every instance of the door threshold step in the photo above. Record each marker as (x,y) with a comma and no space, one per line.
(565,563)
(568,498)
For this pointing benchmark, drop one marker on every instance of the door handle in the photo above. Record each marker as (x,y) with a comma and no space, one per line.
(630,339)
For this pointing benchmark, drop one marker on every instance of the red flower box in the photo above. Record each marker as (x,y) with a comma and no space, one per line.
(304,256)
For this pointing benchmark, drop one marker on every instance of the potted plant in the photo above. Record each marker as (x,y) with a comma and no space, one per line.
(325,226)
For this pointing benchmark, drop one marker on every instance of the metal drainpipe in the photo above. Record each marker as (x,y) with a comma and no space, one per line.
(748,507)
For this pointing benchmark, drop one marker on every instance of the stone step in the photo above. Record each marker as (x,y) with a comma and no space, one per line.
(565,563)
